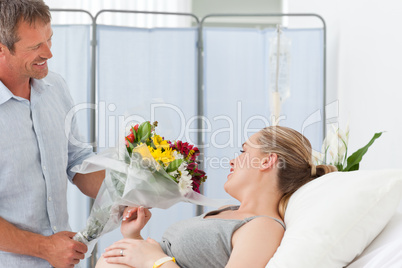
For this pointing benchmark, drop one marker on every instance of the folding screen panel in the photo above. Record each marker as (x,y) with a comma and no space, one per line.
(303,109)
(237,78)
(234,96)
(71,59)
(147,75)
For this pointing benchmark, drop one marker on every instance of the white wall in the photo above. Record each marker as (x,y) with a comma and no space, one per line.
(139,20)
(364,51)
(202,8)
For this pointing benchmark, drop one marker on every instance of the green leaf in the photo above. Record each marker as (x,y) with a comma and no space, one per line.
(130,147)
(354,160)
(339,167)
(130,144)
(144,131)
(135,135)
(174,165)
(355,167)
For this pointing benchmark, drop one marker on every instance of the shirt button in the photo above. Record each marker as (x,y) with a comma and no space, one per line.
(44,167)
(49,198)
(54,228)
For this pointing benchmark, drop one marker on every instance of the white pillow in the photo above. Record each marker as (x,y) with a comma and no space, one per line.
(332,219)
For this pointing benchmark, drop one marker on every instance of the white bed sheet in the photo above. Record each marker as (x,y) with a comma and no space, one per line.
(386,249)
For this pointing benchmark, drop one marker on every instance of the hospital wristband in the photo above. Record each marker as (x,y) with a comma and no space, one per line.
(163,260)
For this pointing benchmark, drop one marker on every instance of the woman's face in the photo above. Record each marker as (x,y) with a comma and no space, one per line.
(244,167)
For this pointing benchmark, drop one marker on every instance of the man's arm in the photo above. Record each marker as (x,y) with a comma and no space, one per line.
(90,183)
(60,250)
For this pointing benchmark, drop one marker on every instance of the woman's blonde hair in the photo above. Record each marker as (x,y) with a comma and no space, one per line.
(295,166)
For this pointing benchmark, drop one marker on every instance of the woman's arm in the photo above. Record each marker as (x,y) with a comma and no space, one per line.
(255,243)
(102,263)
(136,253)
(134,220)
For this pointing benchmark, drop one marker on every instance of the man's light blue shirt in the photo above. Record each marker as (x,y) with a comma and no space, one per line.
(35,161)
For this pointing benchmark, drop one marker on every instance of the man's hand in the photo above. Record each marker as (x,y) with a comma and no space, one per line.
(60,250)
(63,251)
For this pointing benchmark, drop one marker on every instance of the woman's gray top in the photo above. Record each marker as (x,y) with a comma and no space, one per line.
(198,242)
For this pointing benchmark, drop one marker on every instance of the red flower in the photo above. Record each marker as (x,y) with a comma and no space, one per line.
(194,153)
(196,186)
(192,166)
(189,151)
(136,128)
(131,137)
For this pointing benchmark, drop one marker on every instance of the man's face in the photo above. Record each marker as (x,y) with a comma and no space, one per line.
(32,51)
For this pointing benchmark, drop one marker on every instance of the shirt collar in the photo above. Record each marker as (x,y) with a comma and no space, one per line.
(37,85)
(5,93)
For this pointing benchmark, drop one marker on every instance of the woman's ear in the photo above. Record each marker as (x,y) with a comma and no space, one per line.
(269,161)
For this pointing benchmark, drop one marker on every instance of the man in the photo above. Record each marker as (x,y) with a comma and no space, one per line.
(35,153)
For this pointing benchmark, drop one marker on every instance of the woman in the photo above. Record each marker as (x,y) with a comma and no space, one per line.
(273,164)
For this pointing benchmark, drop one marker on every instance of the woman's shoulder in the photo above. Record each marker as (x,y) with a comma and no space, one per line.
(266,220)
(261,227)
(263,221)
(261,236)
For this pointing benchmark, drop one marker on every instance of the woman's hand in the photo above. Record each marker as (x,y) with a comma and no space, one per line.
(134,219)
(134,253)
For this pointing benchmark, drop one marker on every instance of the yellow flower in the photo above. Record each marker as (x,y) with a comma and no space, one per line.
(166,155)
(158,141)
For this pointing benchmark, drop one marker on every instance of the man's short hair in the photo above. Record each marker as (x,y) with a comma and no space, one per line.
(14,11)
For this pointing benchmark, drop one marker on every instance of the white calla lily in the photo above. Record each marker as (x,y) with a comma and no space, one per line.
(334,147)
(334,150)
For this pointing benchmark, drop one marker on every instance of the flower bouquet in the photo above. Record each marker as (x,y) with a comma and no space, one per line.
(335,150)
(149,171)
